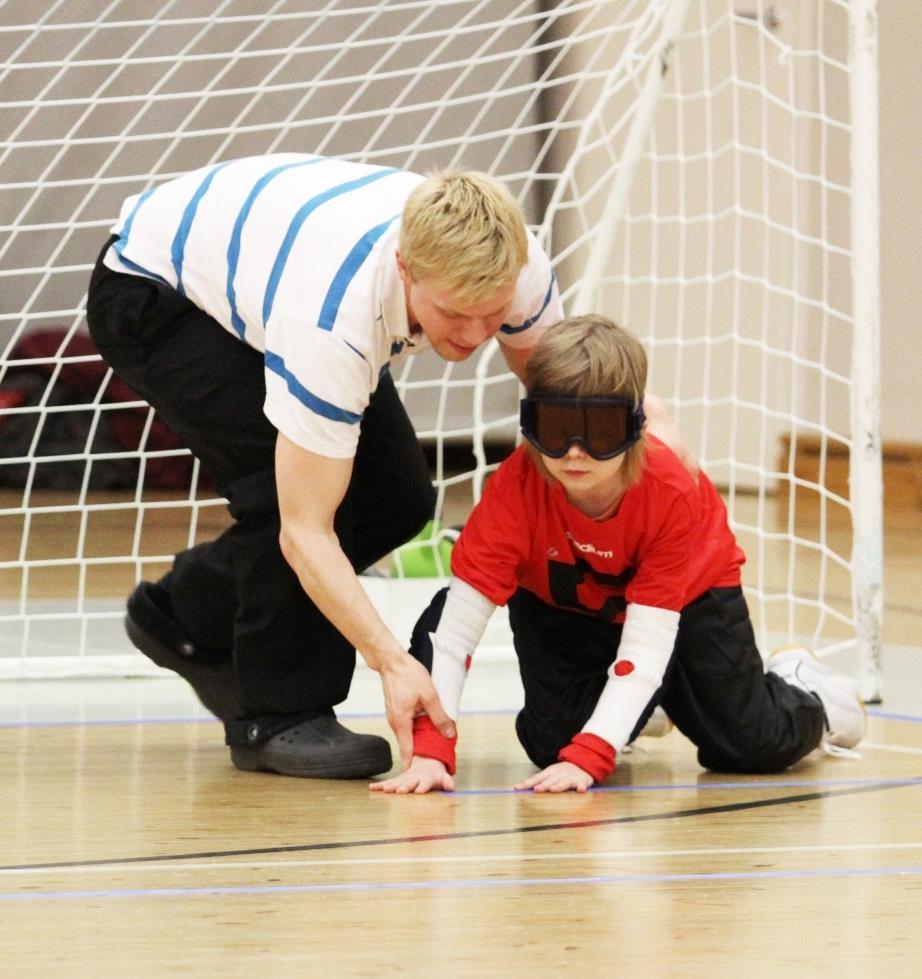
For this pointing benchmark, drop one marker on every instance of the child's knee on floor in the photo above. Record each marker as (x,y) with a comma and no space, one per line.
(752,752)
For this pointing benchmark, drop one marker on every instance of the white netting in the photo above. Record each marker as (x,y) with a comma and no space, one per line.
(729,254)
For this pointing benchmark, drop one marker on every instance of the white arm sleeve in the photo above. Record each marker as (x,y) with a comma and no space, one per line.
(460,628)
(646,645)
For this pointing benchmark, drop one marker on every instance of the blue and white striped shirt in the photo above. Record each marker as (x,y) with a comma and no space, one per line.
(296,256)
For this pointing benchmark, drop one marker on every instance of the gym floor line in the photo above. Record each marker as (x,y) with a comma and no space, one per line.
(116,862)
(599,856)
(358,715)
(415,885)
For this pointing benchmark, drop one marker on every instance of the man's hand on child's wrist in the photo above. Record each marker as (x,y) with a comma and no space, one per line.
(423,775)
(429,742)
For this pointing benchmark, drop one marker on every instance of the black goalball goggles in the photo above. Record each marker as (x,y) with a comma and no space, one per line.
(603,427)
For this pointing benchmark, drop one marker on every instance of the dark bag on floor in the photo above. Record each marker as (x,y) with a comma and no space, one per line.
(65,422)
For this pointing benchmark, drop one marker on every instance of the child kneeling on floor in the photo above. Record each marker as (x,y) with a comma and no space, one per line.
(622,579)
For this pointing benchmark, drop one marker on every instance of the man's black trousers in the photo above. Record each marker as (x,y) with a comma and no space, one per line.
(237,593)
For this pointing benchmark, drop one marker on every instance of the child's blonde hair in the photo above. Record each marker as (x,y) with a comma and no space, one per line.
(466,231)
(591,357)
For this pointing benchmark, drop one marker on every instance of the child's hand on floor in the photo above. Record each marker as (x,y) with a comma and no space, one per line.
(423,775)
(563,776)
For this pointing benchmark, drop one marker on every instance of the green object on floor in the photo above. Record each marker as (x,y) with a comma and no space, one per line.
(427,555)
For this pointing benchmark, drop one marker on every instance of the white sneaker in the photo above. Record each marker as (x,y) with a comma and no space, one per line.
(846,721)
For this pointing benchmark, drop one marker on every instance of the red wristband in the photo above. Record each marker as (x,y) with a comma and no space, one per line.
(590,753)
(429,742)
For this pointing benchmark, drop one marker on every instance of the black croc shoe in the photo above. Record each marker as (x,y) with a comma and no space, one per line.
(159,636)
(316,748)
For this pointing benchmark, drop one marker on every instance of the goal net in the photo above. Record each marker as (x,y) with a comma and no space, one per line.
(702,171)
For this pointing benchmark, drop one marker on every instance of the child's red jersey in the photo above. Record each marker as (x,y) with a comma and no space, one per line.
(667,543)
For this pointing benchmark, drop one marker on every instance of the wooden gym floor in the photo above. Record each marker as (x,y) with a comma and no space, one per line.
(135,849)
(129,846)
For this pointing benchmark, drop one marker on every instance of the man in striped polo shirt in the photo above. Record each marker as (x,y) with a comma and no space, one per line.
(257,305)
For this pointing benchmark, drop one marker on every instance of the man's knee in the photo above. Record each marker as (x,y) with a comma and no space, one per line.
(404,522)
(418,508)
(254,496)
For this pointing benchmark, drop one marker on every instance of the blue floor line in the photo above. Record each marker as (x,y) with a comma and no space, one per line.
(595,881)
(374,715)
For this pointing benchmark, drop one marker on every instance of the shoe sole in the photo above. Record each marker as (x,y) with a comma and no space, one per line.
(201,678)
(253,760)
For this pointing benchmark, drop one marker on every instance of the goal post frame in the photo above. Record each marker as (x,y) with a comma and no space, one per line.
(865,464)
(511,88)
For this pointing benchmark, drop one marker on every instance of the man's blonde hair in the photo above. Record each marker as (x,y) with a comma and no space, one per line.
(464,230)
(591,357)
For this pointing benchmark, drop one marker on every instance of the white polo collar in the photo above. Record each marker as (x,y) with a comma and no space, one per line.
(392,296)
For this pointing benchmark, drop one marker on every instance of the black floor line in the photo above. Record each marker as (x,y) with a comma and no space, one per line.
(471,834)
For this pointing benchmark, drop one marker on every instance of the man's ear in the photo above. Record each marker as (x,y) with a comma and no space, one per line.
(402,269)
